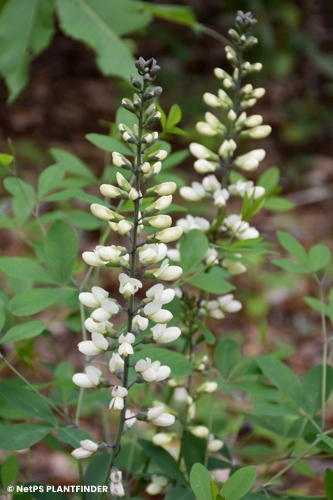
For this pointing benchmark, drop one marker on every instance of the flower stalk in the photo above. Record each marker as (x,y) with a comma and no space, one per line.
(135,259)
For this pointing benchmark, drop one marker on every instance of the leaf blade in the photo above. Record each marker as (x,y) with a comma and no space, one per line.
(239,483)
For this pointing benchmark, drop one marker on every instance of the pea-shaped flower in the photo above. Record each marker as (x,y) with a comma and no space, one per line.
(157,416)
(118,393)
(128,286)
(88,379)
(87,449)
(152,371)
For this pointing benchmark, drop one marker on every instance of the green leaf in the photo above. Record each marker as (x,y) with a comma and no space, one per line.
(214,490)
(250,206)
(194,450)
(72,436)
(294,247)
(208,335)
(22,267)
(239,483)
(212,282)
(26,330)
(2,313)
(175,159)
(179,493)
(200,480)
(131,458)
(20,436)
(314,303)
(28,401)
(304,469)
(328,483)
(163,460)
(179,364)
(72,163)
(63,379)
(5,159)
(61,247)
(173,13)
(278,203)
(84,220)
(274,409)
(38,299)
(108,143)
(284,379)
(312,385)
(326,439)
(26,29)
(97,474)
(98,24)
(24,197)
(227,356)
(174,117)
(320,257)
(193,248)
(9,471)
(269,180)
(50,179)
(288,265)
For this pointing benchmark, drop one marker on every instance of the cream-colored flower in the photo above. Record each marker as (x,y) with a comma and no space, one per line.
(128,286)
(88,379)
(152,371)
(87,449)
(126,341)
(118,393)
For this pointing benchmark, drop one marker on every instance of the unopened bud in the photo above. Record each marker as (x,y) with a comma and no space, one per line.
(128,104)
(135,82)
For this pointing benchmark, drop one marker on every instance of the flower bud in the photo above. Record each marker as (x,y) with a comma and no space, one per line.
(162,438)
(158,155)
(220,73)
(159,221)
(123,183)
(101,212)
(157,416)
(123,227)
(212,100)
(157,485)
(206,129)
(128,104)
(169,234)
(253,121)
(145,167)
(208,387)
(133,194)
(204,166)
(88,448)
(120,161)
(199,431)
(110,191)
(201,152)
(257,132)
(164,189)
(232,115)
(259,92)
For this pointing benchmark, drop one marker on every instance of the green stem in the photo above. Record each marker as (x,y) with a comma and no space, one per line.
(324,374)
(133,272)
(83,496)
(291,464)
